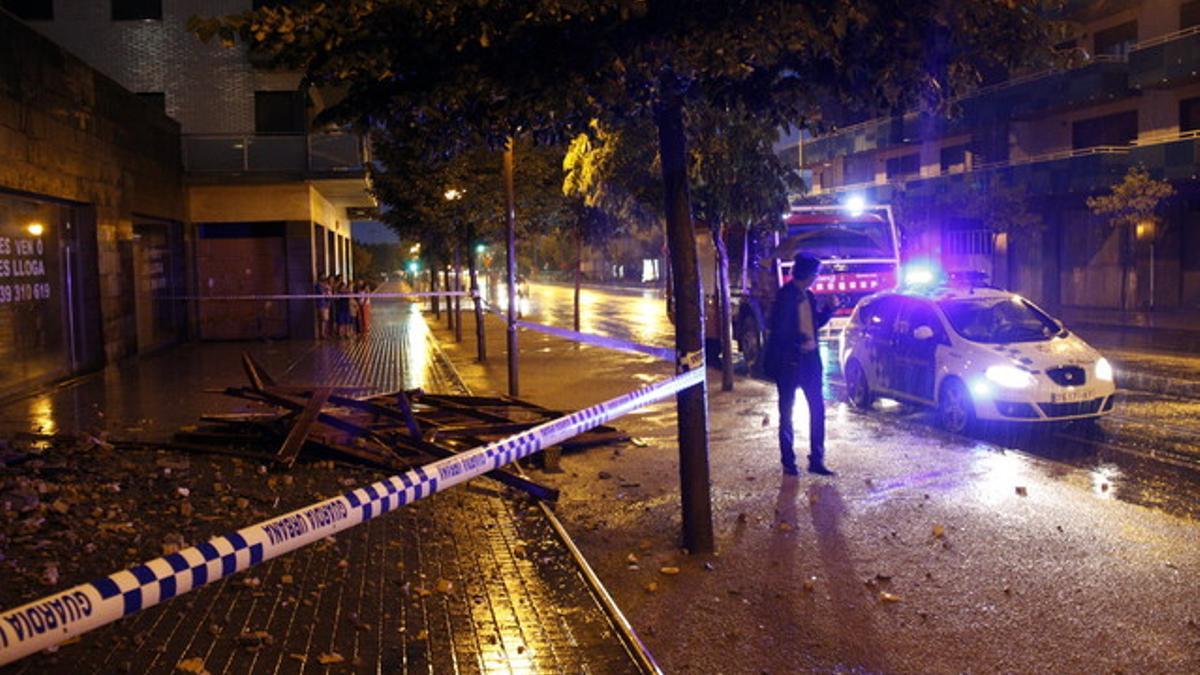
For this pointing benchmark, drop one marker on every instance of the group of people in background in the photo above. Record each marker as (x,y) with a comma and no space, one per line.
(347,310)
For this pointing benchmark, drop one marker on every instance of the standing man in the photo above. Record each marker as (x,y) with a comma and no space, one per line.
(793,359)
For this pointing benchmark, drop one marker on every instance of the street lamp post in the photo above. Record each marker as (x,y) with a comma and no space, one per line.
(510,216)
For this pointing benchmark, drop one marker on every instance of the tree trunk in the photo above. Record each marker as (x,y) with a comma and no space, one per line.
(457,299)
(724,320)
(510,218)
(578,272)
(433,287)
(692,402)
(480,338)
(449,286)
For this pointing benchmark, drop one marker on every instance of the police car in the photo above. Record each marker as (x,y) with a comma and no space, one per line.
(975,353)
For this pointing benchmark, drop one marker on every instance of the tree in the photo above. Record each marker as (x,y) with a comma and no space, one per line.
(737,180)
(546,68)
(1132,208)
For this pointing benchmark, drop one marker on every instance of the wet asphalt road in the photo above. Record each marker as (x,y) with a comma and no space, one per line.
(1146,452)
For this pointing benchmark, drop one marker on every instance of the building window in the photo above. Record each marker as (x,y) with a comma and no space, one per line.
(1110,130)
(154,99)
(859,169)
(1189,114)
(31,10)
(954,159)
(903,166)
(137,10)
(1116,41)
(279,112)
(1189,14)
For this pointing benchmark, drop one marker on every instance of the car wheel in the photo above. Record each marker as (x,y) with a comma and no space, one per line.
(857,390)
(955,409)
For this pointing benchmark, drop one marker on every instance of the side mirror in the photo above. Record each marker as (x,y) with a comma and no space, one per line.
(923,333)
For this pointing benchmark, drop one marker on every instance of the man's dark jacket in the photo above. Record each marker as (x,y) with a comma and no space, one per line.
(783,355)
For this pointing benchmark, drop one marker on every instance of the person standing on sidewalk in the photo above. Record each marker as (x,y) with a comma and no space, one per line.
(324,320)
(793,359)
(363,300)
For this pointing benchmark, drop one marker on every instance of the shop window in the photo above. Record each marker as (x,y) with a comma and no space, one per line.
(30,10)
(1189,14)
(137,10)
(1116,41)
(954,159)
(859,169)
(1189,257)
(1189,114)
(279,112)
(903,166)
(1111,130)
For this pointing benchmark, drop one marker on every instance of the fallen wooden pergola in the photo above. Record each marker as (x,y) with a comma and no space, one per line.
(396,430)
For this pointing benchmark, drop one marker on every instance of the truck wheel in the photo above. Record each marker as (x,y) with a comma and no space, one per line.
(749,344)
(858,391)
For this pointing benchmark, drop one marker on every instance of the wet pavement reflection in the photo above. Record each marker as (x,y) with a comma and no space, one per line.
(1146,452)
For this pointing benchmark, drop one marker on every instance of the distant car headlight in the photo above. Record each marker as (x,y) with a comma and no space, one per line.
(1104,371)
(1010,377)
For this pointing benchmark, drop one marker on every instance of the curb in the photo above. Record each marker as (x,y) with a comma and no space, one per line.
(1157,384)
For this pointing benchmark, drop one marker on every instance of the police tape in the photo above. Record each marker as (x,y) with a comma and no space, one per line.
(664,353)
(74,611)
(324,296)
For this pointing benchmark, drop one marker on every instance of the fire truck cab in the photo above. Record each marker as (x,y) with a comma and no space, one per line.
(859,247)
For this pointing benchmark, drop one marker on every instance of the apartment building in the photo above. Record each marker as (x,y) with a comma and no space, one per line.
(270,199)
(1055,137)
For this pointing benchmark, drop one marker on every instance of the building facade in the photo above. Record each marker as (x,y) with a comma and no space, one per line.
(269,197)
(92,197)
(1044,142)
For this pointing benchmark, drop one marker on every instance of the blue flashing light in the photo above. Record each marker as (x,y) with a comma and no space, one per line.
(919,276)
(413,267)
(855,205)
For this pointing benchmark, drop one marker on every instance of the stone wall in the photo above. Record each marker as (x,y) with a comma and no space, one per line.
(69,133)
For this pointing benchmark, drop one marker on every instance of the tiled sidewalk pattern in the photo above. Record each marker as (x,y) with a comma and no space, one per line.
(468,581)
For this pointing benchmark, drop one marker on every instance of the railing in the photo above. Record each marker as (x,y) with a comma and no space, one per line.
(279,153)
(1164,39)
(990,89)
(1032,159)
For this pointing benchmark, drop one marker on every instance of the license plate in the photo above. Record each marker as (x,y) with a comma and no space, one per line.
(1072,396)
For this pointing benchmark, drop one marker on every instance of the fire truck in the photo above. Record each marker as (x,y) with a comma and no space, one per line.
(858,245)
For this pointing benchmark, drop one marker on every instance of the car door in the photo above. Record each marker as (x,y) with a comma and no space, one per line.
(879,328)
(916,338)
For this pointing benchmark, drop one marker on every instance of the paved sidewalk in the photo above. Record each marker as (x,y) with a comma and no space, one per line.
(471,580)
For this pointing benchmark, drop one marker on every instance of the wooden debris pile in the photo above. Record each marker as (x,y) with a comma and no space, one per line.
(395,430)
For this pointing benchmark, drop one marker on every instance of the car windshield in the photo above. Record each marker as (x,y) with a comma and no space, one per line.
(997,320)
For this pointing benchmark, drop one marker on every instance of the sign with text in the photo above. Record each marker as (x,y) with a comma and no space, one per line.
(32,343)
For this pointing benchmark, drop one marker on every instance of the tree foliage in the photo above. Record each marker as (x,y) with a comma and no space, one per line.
(1133,201)
(548,67)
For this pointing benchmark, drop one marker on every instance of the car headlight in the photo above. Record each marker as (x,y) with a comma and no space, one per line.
(1104,370)
(1010,377)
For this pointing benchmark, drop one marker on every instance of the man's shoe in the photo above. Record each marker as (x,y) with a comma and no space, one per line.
(790,471)
(820,470)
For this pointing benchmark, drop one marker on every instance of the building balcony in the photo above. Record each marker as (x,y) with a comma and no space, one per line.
(1104,78)
(1087,170)
(1167,61)
(317,155)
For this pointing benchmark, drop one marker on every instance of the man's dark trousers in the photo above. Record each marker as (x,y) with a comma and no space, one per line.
(807,376)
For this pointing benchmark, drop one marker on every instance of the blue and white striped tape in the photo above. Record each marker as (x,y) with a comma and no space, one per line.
(74,611)
(325,296)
